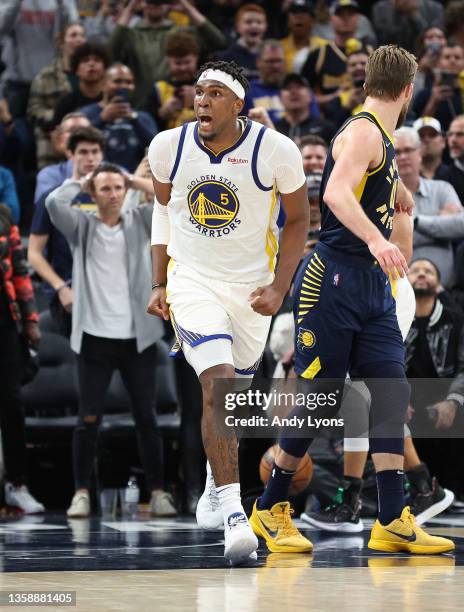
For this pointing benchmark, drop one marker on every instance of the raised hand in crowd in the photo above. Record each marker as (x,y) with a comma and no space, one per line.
(260,114)
(129,11)
(117,107)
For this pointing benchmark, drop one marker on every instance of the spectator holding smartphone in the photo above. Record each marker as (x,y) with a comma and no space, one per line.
(127,131)
(172,98)
(443,100)
(431,42)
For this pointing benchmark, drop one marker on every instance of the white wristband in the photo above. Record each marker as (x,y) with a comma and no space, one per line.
(159,224)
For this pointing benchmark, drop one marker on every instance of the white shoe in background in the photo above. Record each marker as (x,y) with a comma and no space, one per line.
(162,504)
(20,497)
(80,505)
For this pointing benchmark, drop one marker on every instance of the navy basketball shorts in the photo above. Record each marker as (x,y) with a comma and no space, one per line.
(345,315)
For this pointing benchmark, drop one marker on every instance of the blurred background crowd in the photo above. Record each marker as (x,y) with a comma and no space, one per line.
(90,82)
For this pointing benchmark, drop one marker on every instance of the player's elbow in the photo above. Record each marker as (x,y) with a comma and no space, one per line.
(331,198)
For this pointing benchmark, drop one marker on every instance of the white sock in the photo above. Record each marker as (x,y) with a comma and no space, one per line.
(229,498)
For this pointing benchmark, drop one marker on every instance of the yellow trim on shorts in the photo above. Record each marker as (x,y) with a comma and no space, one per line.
(313,369)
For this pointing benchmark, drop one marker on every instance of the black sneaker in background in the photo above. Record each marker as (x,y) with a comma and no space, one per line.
(343,514)
(427,497)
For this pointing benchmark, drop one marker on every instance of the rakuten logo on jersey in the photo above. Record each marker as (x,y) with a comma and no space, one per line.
(237,160)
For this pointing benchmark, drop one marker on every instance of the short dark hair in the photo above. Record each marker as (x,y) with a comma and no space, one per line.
(86,134)
(104,167)
(180,44)
(231,68)
(432,263)
(85,51)
(312,140)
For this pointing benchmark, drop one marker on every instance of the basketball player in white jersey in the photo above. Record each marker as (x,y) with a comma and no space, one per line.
(214,246)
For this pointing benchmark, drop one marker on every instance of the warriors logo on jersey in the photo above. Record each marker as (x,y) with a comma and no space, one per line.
(213,208)
(224,205)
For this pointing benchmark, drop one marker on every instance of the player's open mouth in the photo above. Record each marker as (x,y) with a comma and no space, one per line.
(205,121)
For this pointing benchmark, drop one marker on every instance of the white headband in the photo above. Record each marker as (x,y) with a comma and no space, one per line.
(225,79)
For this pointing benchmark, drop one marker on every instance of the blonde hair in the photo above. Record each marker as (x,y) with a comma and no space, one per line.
(389,70)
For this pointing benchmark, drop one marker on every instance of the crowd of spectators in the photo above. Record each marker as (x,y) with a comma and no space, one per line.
(84,88)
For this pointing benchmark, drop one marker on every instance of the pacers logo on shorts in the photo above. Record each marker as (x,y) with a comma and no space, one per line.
(306,339)
(213,208)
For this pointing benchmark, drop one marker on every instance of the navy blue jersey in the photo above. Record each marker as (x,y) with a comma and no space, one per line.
(376,193)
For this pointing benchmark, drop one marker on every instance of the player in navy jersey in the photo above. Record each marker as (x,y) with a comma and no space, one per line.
(345,318)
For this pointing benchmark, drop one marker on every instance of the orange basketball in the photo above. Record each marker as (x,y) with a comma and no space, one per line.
(301,478)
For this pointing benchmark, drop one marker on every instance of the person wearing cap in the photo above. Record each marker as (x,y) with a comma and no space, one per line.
(264,92)
(432,146)
(297,120)
(325,67)
(215,221)
(299,39)
(400,22)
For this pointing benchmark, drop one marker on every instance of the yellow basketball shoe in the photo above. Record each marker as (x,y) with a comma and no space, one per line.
(277,528)
(404,535)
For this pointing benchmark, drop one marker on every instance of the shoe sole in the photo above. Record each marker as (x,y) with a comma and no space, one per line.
(436,508)
(261,532)
(210,526)
(340,527)
(415,549)
(80,515)
(14,508)
(241,551)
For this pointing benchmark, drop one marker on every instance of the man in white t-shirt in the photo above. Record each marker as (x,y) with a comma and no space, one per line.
(218,182)
(110,328)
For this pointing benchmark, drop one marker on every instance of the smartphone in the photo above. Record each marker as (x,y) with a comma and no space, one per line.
(434,48)
(448,79)
(123,94)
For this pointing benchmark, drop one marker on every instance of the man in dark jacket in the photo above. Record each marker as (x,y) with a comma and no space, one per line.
(435,350)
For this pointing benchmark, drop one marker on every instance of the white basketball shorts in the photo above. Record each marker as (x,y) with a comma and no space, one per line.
(214,322)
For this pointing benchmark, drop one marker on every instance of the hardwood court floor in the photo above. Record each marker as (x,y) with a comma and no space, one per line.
(165,565)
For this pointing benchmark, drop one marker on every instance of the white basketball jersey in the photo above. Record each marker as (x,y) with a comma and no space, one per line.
(223,208)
